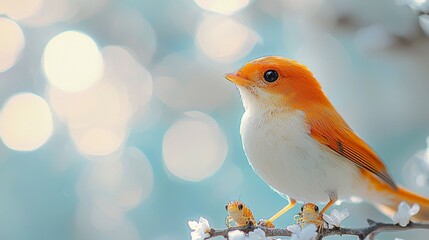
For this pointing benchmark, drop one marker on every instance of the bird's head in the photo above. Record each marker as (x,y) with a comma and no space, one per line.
(276,82)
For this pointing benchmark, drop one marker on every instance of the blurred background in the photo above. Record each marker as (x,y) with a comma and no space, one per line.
(116,121)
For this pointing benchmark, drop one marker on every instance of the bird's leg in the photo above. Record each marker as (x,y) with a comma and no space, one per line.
(291,204)
(228,221)
(333,197)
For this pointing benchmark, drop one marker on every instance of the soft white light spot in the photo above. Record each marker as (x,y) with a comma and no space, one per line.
(11,43)
(222,6)
(421,180)
(424,23)
(355,199)
(25,122)
(194,147)
(98,117)
(126,88)
(137,183)
(374,37)
(98,141)
(103,105)
(121,66)
(20,9)
(80,10)
(50,12)
(72,61)
(416,172)
(124,181)
(99,222)
(224,40)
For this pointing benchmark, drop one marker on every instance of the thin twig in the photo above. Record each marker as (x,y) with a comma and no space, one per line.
(373,229)
(268,231)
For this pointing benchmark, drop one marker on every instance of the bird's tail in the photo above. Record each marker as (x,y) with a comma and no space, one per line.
(402,194)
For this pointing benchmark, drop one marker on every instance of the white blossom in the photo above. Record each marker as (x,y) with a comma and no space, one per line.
(404,213)
(236,235)
(257,234)
(336,217)
(200,229)
(309,232)
(294,228)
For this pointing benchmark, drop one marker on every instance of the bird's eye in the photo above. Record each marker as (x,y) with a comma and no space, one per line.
(240,206)
(302,208)
(316,208)
(226,207)
(271,76)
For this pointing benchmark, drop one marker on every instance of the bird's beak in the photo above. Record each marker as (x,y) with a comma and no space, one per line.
(237,79)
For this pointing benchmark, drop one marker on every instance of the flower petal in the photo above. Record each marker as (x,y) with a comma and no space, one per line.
(204,222)
(308,232)
(414,209)
(328,219)
(404,222)
(257,234)
(236,235)
(200,229)
(404,213)
(335,214)
(192,225)
(343,215)
(294,228)
(294,237)
(403,207)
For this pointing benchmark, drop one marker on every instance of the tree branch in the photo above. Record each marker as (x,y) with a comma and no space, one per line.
(373,229)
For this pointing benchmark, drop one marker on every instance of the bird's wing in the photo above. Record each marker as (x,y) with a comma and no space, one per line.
(331,130)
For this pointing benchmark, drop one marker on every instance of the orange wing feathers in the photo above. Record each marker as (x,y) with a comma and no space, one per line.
(328,128)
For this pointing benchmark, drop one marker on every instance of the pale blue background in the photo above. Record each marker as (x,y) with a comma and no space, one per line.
(371,57)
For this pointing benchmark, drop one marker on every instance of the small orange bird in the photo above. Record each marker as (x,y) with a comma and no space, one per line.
(310,215)
(239,213)
(301,147)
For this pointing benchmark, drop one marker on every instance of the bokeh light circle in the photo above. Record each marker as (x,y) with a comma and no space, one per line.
(121,66)
(104,105)
(50,12)
(416,171)
(194,147)
(107,189)
(424,23)
(98,141)
(124,181)
(222,6)
(11,43)
(223,39)
(20,9)
(72,61)
(25,122)
(137,183)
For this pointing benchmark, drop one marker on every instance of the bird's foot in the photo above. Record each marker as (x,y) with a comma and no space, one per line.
(265,223)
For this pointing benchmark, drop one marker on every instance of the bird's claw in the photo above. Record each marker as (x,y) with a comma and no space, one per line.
(265,223)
